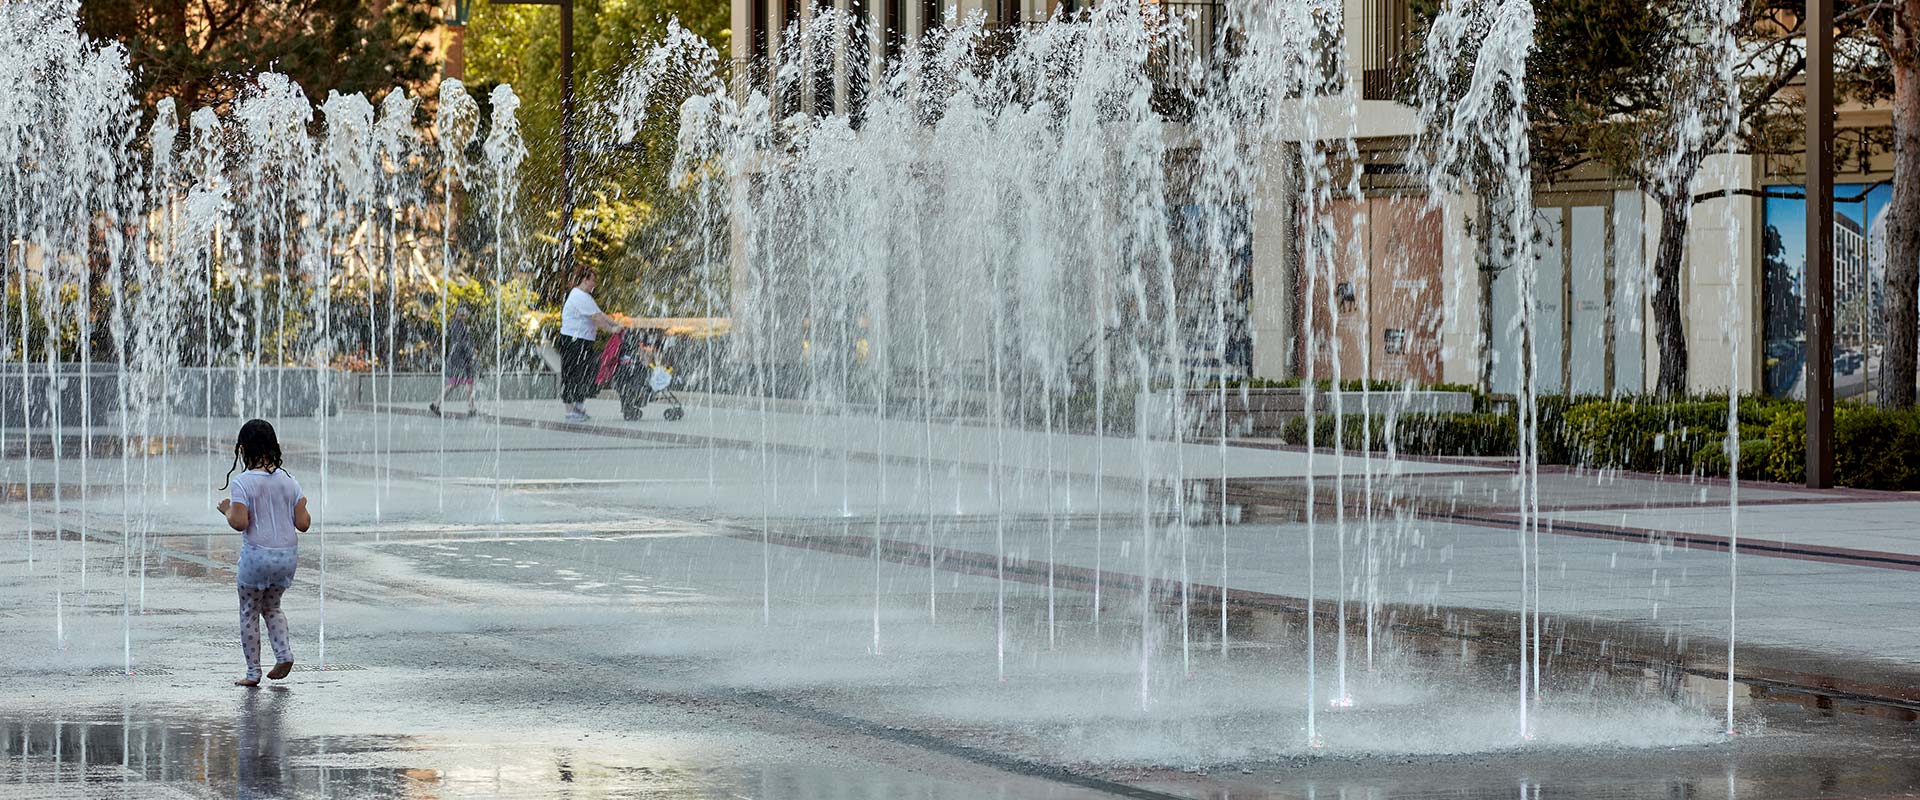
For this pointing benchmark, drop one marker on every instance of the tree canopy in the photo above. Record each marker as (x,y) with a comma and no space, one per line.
(203,52)
(627,220)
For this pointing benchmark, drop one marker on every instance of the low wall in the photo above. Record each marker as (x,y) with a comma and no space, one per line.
(75,394)
(424,387)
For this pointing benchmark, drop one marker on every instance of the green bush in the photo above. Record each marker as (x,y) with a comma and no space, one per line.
(1418,434)
(1376,386)
(1458,435)
(243,318)
(1711,458)
(1656,436)
(1872,448)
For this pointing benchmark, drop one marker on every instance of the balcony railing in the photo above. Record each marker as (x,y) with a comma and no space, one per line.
(1386,44)
(1201,20)
(1198,26)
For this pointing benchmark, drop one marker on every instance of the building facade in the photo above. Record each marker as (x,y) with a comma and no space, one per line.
(1405,288)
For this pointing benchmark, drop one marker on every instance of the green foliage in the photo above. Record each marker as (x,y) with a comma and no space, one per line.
(219,326)
(1608,80)
(1659,437)
(63,334)
(1416,434)
(1873,448)
(1711,459)
(1377,386)
(204,52)
(632,220)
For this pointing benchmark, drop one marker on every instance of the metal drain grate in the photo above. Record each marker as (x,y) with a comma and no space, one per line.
(116,672)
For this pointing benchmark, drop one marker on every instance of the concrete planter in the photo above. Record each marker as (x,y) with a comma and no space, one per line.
(423,387)
(266,392)
(66,395)
(76,394)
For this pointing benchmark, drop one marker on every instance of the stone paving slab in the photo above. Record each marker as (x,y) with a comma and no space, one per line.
(1892,526)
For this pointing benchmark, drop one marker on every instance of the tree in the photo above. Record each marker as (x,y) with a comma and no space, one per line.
(203,52)
(1651,117)
(1894,25)
(1628,86)
(626,200)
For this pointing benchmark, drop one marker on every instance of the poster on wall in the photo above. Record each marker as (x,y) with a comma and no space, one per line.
(1859,281)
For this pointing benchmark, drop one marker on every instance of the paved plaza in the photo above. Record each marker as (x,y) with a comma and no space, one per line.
(793,605)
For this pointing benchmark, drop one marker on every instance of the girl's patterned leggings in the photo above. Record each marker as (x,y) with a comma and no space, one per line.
(255,604)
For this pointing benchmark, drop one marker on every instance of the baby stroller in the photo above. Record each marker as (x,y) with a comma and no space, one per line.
(642,376)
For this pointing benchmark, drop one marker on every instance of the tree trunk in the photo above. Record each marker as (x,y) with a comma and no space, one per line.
(1903,219)
(1487,277)
(1487,271)
(1667,320)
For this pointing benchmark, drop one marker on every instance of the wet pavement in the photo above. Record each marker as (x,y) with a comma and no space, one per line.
(631,618)
(610,666)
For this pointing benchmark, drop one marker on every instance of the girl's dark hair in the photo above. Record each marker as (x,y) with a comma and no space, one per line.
(257,446)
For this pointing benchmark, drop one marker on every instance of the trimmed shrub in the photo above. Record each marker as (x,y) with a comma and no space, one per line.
(1416,434)
(1356,385)
(1658,437)
(1872,448)
(1711,458)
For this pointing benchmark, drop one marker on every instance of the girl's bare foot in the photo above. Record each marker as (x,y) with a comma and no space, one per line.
(246,682)
(280,670)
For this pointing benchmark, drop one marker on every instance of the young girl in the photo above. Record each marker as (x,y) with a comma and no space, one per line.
(270,513)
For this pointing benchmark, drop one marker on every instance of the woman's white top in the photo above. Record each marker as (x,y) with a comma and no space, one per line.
(269,498)
(576,317)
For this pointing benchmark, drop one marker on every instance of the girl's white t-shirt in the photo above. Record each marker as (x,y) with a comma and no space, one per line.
(269,498)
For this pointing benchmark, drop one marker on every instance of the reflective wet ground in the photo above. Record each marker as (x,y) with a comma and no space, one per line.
(263,745)
(626,628)
(258,751)
(612,666)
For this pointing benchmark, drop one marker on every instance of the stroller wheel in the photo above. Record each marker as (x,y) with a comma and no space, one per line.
(674,414)
(631,408)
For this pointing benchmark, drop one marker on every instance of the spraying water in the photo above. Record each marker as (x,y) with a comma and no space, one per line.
(1476,140)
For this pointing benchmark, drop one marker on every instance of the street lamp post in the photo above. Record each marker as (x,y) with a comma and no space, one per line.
(566,126)
(1819,278)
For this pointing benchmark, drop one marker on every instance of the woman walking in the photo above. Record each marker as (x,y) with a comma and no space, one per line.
(270,512)
(580,321)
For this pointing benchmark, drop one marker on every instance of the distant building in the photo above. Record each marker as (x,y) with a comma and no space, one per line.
(1406,310)
(1854,290)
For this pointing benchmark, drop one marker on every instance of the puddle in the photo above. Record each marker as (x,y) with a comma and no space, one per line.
(250,754)
(260,749)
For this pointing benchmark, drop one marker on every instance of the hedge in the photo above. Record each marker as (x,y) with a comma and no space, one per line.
(1354,385)
(1415,434)
(1661,437)
(1872,448)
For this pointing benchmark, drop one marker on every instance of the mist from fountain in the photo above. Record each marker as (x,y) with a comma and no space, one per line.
(1027,241)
